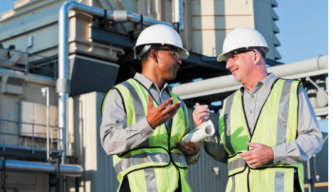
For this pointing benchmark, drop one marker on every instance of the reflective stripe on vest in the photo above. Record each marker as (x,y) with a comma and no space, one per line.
(226,120)
(153,152)
(140,159)
(276,124)
(235,164)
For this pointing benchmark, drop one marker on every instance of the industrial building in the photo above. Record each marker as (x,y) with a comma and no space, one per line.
(59,58)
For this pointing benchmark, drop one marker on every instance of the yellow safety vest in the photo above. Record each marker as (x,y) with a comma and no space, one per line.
(156,164)
(276,124)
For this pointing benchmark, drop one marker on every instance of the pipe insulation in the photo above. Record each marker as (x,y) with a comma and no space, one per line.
(310,67)
(40,167)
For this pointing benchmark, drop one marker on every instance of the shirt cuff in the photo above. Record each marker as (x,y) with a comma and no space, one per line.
(279,153)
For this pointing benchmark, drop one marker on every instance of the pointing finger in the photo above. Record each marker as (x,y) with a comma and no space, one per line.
(164,105)
(173,108)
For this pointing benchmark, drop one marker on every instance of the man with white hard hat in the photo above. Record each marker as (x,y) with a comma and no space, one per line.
(143,121)
(267,127)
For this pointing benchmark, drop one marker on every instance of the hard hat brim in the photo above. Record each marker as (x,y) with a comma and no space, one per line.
(183,53)
(221,58)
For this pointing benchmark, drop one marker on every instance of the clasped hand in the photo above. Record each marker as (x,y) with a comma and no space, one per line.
(188,148)
(259,155)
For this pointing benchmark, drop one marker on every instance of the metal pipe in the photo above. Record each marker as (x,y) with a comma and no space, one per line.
(178,13)
(46,92)
(136,18)
(149,7)
(157,8)
(227,83)
(317,87)
(63,79)
(40,167)
(19,73)
(176,9)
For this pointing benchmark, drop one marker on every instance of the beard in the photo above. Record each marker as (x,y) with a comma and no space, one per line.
(237,77)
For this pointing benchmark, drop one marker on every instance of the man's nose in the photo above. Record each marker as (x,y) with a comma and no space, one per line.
(179,61)
(229,64)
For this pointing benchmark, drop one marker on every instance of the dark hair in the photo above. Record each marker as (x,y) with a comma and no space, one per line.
(145,56)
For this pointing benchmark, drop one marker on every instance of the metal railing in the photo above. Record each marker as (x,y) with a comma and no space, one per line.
(29,136)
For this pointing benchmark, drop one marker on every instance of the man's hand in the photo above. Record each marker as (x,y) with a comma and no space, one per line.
(259,155)
(188,148)
(159,115)
(200,114)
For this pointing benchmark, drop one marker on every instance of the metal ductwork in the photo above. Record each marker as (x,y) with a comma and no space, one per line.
(310,67)
(13,59)
(39,167)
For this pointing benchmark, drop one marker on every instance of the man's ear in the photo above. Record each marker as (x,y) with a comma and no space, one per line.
(153,54)
(257,57)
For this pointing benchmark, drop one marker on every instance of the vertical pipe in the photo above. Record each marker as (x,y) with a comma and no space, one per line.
(176,11)
(45,91)
(33,138)
(158,9)
(177,14)
(48,123)
(63,76)
(148,5)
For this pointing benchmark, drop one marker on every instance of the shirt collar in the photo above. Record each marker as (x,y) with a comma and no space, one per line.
(147,83)
(267,82)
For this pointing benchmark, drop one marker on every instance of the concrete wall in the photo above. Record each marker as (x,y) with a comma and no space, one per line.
(83,136)
(210,21)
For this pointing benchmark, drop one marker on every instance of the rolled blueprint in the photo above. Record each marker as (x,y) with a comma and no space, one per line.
(204,130)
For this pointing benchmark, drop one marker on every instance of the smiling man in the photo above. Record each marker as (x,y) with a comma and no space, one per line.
(143,121)
(267,127)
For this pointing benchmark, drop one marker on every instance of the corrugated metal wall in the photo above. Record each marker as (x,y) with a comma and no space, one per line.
(201,175)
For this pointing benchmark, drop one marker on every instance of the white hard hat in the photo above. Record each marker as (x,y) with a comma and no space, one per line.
(160,34)
(243,37)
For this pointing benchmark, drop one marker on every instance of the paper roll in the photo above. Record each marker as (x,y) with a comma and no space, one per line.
(204,130)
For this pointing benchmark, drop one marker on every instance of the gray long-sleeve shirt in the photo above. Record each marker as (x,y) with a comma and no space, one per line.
(116,136)
(308,142)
